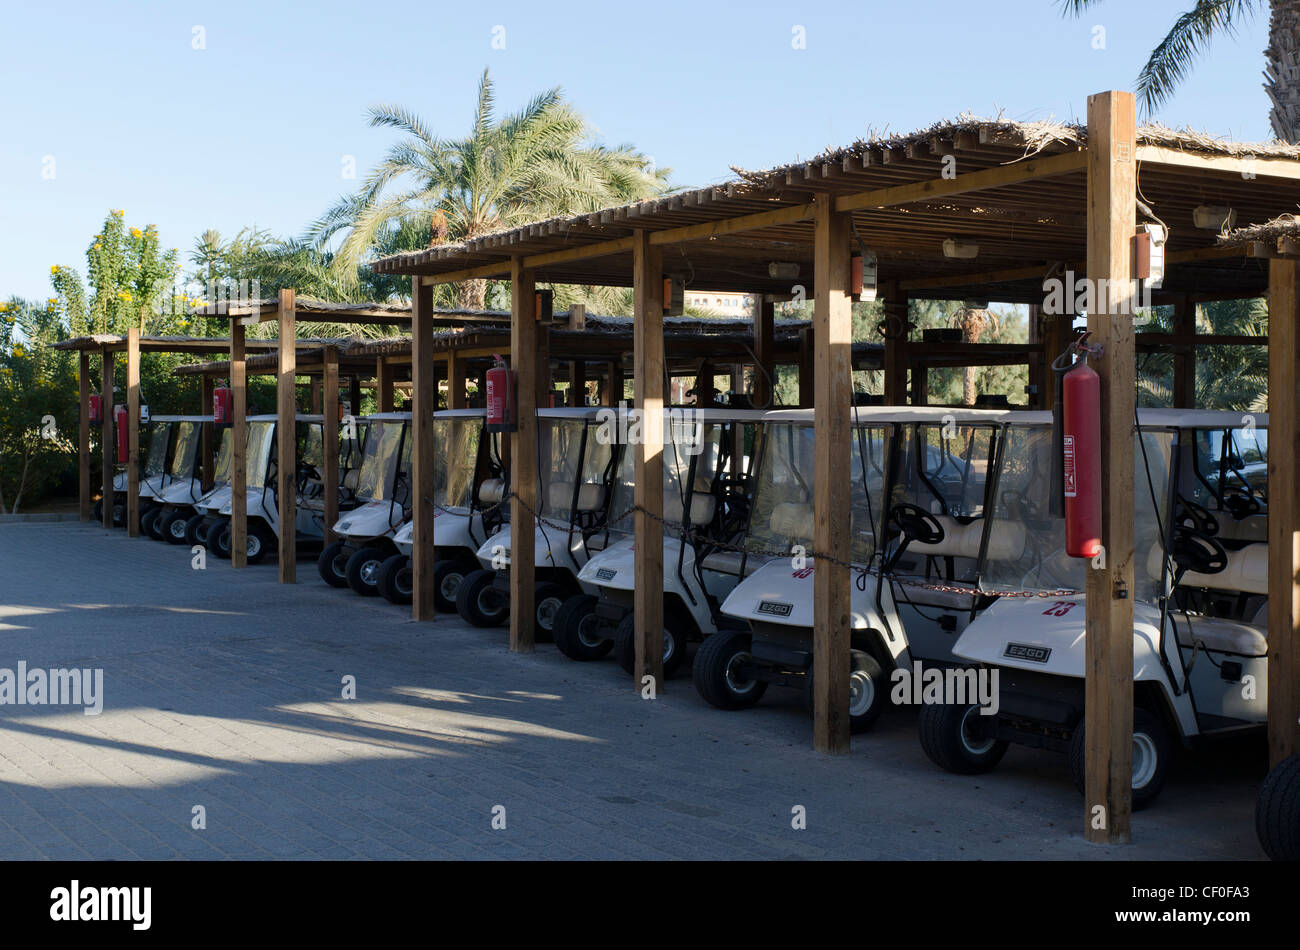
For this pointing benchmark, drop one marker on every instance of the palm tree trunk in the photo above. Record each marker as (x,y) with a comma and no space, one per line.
(1283,69)
(472,294)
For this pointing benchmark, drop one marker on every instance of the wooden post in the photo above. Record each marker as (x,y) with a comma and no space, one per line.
(1108,697)
(354,394)
(577,383)
(106,431)
(616,385)
(807,373)
(765,350)
(1283,509)
(455,380)
(238,447)
(704,385)
(133,434)
(424,397)
(523,455)
(895,358)
(1185,358)
(330,431)
(578,317)
(832,319)
(543,363)
(83,438)
(1058,336)
(207,435)
(648,494)
(286,431)
(919,378)
(384,385)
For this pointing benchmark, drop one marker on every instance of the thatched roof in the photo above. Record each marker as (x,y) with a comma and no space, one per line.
(1283,226)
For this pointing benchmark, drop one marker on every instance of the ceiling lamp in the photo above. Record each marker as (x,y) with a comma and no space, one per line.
(783,270)
(959,249)
(1214,217)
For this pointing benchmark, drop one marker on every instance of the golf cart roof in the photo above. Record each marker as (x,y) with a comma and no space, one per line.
(910,415)
(460,413)
(572,412)
(387,416)
(161,418)
(1201,418)
(272,417)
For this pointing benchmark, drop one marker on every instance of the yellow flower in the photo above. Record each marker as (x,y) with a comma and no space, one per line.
(97,246)
(120,213)
(136,232)
(54,269)
(3,307)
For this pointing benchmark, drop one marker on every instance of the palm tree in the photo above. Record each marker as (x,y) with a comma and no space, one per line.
(973,321)
(1227,377)
(1190,37)
(532,164)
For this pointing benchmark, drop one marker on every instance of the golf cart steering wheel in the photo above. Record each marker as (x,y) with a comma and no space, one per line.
(1192,551)
(1192,516)
(1241,503)
(916,523)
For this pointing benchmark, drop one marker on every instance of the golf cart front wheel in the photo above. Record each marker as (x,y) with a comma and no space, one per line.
(479,603)
(395,581)
(260,540)
(719,671)
(548,598)
(447,577)
(1151,754)
(196,531)
(363,570)
(219,536)
(333,564)
(149,522)
(1277,812)
(577,631)
(675,639)
(868,690)
(958,738)
(174,526)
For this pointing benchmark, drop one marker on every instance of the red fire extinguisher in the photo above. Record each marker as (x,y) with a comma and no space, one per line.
(502,415)
(221,404)
(95,410)
(123,434)
(1081,458)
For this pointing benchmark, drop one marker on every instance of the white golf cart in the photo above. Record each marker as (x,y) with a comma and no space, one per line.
(706,492)
(578,459)
(1199,637)
(919,486)
(469,488)
(174,503)
(156,439)
(364,534)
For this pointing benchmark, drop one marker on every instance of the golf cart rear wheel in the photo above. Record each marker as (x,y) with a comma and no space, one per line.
(363,570)
(149,521)
(156,523)
(447,577)
(174,526)
(957,738)
(260,539)
(195,530)
(1151,754)
(479,603)
(395,581)
(1277,812)
(868,690)
(333,564)
(577,629)
(675,640)
(719,675)
(548,598)
(219,536)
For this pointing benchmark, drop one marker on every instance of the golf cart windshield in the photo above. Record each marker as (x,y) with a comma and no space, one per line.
(155,462)
(222,472)
(947,465)
(1231,469)
(572,464)
(783,498)
(181,464)
(455,459)
(1026,546)
(261,436)
(685,439)
(379,459)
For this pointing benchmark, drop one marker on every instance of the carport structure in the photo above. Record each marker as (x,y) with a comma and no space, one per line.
(1039,201)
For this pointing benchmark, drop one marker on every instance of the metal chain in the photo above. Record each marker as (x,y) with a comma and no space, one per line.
(693,535)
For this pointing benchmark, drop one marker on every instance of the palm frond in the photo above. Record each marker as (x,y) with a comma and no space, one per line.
(1187,40)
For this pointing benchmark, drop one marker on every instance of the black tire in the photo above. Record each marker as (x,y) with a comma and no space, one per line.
(868,690)
(119,514)
(333,564)
(395,581)
(148,520)
(447,578)
(260,540)
(676,638)
(577,630)
(548,598)
(1151,755)
(173,526)
(219,535)
(715,659)
(363,570)
(193,526)
(951,737)
(1277,812)
(479,603)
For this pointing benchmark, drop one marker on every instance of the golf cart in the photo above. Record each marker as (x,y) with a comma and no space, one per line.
(578,451)
(1200,615)
(174,503)
(379,504)
(157,439)
(707,494)
(469,491)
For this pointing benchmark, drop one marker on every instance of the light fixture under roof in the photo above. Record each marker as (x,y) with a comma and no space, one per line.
(783,270)
(960,249)
(1214,217)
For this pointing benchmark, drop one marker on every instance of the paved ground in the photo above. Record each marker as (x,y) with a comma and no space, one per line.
(223,690)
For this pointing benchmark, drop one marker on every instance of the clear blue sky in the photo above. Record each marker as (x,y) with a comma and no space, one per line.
(253,129)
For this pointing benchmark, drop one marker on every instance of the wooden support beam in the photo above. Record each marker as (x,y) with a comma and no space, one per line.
(807,373)
(286,431)
(616,384)
(543,363)
(648,479)
(83,438)
(1283,509)
(106,431)
(523,456)
(424,396)
(133,433)
(704,385)
(1185,361)
(455,381)
(578,316)
(354,395)
(207,436)
(1059,334)
(1108,683)
(316,394)
(833,387)
(238,448)
(330,432)
(765,351)
(1246,168)
(577,383)
(895,367)
(384,385)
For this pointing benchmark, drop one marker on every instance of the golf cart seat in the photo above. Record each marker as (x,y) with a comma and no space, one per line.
(791,520)
(351,478)
(591,496)
(701,508)
(492,491)
(1006,540)
(1250,528)
(1247,571)
(1222,636)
